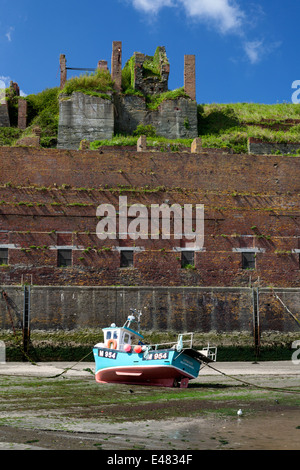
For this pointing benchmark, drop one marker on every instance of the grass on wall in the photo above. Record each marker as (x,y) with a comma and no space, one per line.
(229,126)
(98,82)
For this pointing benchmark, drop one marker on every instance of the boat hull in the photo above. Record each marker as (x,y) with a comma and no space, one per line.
(165,368)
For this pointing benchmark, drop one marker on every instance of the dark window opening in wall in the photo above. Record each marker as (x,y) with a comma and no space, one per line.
(248,260)
(3,256)
(64,258)
(187,259)
(126,259)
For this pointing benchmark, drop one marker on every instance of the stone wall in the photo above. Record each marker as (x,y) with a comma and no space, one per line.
(4,116)
(92,118)
(163,308)
(84,117)
(258,147)
(173,119)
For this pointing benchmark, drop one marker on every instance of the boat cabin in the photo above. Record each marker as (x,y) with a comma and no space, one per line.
(118,338)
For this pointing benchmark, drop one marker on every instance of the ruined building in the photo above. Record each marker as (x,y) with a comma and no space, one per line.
(83,116)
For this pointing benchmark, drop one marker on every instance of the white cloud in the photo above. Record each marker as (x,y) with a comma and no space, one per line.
(5,83)
(9,33)
(254,51)
(224,14)
(151,6)
(258,49)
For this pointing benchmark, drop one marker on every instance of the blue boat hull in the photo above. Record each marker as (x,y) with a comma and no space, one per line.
(166,368)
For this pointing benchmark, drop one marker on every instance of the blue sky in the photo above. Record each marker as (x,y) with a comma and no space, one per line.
(246,51)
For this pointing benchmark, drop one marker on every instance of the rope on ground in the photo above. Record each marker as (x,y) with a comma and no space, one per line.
(69,368)
(251,384)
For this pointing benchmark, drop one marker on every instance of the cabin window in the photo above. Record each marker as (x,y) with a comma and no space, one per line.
(126,259)
(248,260)
(111,335)
(126,338)
(64,258)
(187,259)
(3,256)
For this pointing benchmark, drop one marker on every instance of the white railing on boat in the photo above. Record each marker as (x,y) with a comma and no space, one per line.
(210,351)
(188,343)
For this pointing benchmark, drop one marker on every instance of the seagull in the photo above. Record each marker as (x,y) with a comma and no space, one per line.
(239,413)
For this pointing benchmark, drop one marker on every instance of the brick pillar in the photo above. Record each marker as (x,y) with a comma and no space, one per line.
(22,113)
(116,64)
(190,76)
(63,70)
(102,65)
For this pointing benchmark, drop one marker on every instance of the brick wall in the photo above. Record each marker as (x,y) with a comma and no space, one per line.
(116,64)
(190,76)
(251,203)
(211,170)
(63,70)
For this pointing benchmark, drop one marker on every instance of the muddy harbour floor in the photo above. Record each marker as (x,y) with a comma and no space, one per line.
(59,406)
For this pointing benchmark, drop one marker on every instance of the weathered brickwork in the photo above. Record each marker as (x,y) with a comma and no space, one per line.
(251,205)
(63,70)
(116,64)
(190,76)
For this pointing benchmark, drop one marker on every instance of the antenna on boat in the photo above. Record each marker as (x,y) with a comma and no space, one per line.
(132,318)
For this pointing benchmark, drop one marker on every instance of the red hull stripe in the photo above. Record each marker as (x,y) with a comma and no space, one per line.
(141,374)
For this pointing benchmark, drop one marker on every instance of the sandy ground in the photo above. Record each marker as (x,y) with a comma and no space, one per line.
(264,425)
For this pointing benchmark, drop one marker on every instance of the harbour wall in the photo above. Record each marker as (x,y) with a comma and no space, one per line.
(178,309)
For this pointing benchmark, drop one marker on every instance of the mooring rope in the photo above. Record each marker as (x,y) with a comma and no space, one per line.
(251,384)
(69,368)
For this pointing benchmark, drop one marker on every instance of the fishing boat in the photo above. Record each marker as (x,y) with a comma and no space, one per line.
(124,358)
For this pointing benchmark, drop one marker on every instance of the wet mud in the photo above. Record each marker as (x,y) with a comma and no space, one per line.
(77,414)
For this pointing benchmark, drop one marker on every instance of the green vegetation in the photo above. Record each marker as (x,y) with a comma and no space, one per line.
(8,135)
(229,126)
(151,68)
(161,143)
(97,83)
(43,111)
(154,101)
(148,130)
(223,126)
